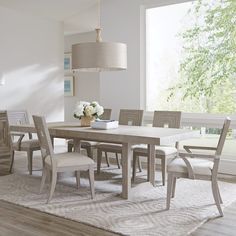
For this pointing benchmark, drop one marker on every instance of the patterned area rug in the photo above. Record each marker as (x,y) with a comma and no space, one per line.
(144,214)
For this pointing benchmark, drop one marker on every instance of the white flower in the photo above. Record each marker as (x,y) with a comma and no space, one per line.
(99,110)
(94,103)
(92,109)
(89,110)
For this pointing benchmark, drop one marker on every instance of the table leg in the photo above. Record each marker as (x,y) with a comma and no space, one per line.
(77,146)
(151,163)
(126,169)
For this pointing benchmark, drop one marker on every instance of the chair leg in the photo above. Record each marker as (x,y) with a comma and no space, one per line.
(107,159)
(49,174)
(117,160)
(140,165)
(216,195)
(12,160)
(70,147)
(53,185)
(77,175)
(163,169)
(99,160)
(134,165)
(169,190)
(91,182)
(44,176)
(173,187)
(30,161)
(218,190)
(89,152)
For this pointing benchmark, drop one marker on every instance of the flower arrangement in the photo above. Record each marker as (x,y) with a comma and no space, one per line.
(86,109)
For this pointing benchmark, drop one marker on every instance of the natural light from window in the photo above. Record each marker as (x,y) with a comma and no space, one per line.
(190,60)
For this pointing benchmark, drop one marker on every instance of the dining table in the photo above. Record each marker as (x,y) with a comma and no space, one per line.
(125,135)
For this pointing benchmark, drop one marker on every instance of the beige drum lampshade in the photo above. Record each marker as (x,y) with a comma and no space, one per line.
(99,56)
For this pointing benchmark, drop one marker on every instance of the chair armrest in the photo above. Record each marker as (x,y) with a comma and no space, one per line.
(189,167)
(187,148)
(200,155)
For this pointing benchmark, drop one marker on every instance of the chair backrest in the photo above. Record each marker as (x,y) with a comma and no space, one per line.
(168,119)
(106,114)
(4,129)
(18,118)
(43,136)
(223,135)
(131,117)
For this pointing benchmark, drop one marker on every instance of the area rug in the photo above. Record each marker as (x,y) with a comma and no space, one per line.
(144,214)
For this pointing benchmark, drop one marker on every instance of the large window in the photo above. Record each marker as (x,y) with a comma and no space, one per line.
(191,63)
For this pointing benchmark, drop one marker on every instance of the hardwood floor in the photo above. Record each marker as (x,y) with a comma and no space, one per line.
(17,220)
(223,226)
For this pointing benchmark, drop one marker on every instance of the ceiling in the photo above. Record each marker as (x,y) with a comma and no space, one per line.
(78,15)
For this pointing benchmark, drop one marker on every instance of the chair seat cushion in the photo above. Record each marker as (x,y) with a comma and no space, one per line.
(200,166)
(160,150)
(109,147)
(28,144)
(69,159)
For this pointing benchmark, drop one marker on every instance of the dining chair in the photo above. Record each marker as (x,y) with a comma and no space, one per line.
(61,162)
(28,145)
(126,117)
(198,166)
(90,145)
(168,119)
(4,140)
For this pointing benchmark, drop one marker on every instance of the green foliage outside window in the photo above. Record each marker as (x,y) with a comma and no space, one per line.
(207,72)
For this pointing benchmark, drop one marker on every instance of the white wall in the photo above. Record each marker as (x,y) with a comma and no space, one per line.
(31,61)
(87,85)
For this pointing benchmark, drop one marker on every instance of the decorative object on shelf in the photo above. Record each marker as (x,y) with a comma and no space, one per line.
(99,56)
(87,112)
(67,62)
(69,86)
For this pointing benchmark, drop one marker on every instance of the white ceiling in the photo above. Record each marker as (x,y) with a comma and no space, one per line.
(78,15)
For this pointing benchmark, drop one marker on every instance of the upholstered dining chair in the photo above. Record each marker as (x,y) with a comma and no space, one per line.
(126,117)
(90,145)
(61,162)
(198,166)
(26,145)
(169,119)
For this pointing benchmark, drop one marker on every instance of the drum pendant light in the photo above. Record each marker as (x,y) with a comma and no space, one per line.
(99,56)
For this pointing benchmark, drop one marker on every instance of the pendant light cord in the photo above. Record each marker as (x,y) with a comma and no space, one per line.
(99,14)
(98,29)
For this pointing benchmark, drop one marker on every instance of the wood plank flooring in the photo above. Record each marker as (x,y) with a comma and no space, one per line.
(222,226)
(20,221)
(17,220)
